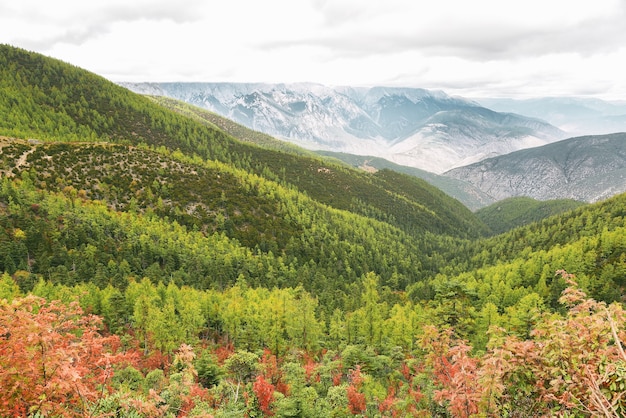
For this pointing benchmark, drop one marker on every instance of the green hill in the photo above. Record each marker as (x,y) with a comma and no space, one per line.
(466,193)
(334,184)
(69,237)
(588,240)
(53,101)
(517,211)
(91,140)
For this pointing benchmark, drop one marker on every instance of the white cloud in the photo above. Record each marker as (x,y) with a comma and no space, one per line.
(485,47)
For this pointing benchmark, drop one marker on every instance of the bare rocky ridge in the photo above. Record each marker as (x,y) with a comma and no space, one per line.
(588,168)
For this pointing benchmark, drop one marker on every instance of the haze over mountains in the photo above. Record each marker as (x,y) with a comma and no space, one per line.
(575,115)
(414,127)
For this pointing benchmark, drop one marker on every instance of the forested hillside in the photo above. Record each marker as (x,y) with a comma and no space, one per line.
(469,195)
(518,211)
(284,237)
(45,99)
(153,265)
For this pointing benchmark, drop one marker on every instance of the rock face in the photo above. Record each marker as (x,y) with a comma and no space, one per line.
(418,128)
(588,168)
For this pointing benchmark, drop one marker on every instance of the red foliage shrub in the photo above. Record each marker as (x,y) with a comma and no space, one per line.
(264,392)
(356,400)
(53,360)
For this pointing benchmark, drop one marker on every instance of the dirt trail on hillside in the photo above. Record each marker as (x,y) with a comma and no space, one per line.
(22,160)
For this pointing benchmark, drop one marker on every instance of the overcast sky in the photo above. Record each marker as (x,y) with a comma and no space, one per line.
(473,48)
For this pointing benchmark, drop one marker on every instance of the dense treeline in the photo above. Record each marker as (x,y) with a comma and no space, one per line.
(48,99)
(512,266)
(68,238)
(258,352)
(588,221)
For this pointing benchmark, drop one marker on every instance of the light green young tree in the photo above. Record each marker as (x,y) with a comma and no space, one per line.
(303,327)
(9,290)
(372,312)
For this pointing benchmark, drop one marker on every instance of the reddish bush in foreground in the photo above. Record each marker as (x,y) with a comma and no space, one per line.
(356,400)
(264,392)
(52,358)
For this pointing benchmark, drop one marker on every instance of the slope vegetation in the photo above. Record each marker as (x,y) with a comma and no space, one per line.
(139,277)
(517,211)
(464,192)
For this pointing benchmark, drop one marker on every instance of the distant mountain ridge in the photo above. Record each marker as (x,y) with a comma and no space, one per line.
(588,168)
(415,127)
(576,115)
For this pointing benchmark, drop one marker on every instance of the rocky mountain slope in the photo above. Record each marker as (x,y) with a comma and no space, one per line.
(588,168)
(414,127)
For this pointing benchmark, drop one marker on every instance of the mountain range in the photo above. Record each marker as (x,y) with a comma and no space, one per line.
(575,115)
(425,129)
(447,141)
(587,169)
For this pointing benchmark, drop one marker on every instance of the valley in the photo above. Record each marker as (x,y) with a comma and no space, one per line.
(159,260)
